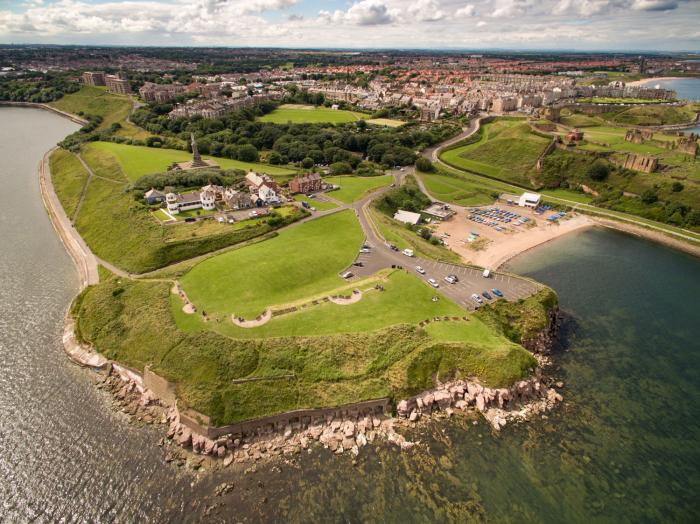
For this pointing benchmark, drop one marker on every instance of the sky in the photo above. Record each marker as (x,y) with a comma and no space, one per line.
(625,25)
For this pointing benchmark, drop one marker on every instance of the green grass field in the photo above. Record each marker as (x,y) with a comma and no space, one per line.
(388,122)
(405,300)
(315,203)
(302,261)
(303,114)
(69,179)
(353,188)
(459,189)
(506,150)
(97,101)
(137,161)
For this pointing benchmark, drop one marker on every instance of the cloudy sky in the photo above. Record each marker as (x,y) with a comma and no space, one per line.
(467,24)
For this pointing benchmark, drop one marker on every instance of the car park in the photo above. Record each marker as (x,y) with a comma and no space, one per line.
(420,270)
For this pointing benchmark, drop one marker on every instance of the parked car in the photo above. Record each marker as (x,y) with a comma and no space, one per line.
(408,252)
(420,270)
(364,250)
(486,295)
(358,264)
(453,277)
(190,219)
(450,280)
(393,247)
(476,298)
(497,292)
(433,282)
(347,274)
(221,220)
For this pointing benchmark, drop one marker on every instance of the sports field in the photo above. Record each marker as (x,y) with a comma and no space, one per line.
(137,161)
(301,261)
(353,188)
(303,114)
(507,149)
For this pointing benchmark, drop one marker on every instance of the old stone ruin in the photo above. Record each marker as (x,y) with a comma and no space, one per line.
(644,163)
(637,136)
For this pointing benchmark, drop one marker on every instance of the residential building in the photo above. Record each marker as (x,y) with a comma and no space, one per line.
(310,183)
(153,196)
(117,85)
(93,78)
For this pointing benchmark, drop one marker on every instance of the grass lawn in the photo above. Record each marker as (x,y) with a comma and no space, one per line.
(99,102)
(315,203)
(575,196)
(459,189)
(506,150)
(406,300)
(649,115)
(388,122)
(137,161)
(69,177)
(301,261)
(306,114)
(353,188)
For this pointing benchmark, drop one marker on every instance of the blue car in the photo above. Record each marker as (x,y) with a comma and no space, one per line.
(497,292)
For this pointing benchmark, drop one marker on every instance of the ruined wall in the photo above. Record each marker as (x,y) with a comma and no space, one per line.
(644,163)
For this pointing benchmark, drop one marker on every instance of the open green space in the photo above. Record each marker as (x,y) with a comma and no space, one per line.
(137,161)
(353,188)
(458,188)
(404,300)
(301,261)
(651,115)
(506,149)
(608,100)
(303,114)
(122,231)
(315,203)
(132,322)
(388,122)
(98,101)
(69,181)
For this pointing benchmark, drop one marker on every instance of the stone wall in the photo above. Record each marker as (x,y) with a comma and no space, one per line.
(161,388)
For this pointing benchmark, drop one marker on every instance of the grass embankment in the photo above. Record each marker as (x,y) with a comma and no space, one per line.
(131,321)
(505,149)
(457,188)
(608,100)
(407,197)
(353,188)
(122,231)
(98,102)
(306,114)
(137,161)
(301,261)
(652,115)
(69,179)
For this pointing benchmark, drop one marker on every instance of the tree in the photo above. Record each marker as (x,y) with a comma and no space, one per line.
(341,168)
(275,158)
(425,165)
(649,196)
(307,163)
(677,187)
(598,170)
(248,153)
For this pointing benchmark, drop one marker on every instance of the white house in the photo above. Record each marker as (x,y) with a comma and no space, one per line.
(407,217)
(268,195)
(529,200)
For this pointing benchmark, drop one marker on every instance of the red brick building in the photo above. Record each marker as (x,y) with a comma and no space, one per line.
(310,183)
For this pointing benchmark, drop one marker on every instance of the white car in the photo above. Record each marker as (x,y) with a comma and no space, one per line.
(420,270)
(408,252)
(450,279)
(347,274)
(364,250)
(221,220)
(433,282)
(476,298)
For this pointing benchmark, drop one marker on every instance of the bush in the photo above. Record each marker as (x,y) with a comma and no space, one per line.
(341,168)
(307,163)
(598,170)
(649,196)
(425,165)
(677,187)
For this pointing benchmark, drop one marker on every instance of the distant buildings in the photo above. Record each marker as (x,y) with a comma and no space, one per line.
(160,93)
(115,84)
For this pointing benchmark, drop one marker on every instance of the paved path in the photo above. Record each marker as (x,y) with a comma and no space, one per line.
(85,260)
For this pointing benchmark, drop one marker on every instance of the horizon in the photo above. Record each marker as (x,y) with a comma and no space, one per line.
(495,25)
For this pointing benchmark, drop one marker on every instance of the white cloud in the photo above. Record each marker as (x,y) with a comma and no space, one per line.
(481,23)
(426,11)
(467,10)
(654,5)
(369,12)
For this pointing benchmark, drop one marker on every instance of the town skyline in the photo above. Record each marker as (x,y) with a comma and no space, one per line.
(524,25)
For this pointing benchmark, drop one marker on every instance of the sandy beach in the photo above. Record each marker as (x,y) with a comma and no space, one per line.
(646,81)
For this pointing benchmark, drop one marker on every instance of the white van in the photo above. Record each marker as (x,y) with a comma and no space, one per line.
(487,273)
(408,252)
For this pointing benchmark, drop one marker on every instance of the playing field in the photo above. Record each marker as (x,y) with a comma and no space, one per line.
(388,122)
(303,114)
(137,161)
(507,150)
(302,261)
(353,188)
(405,300)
